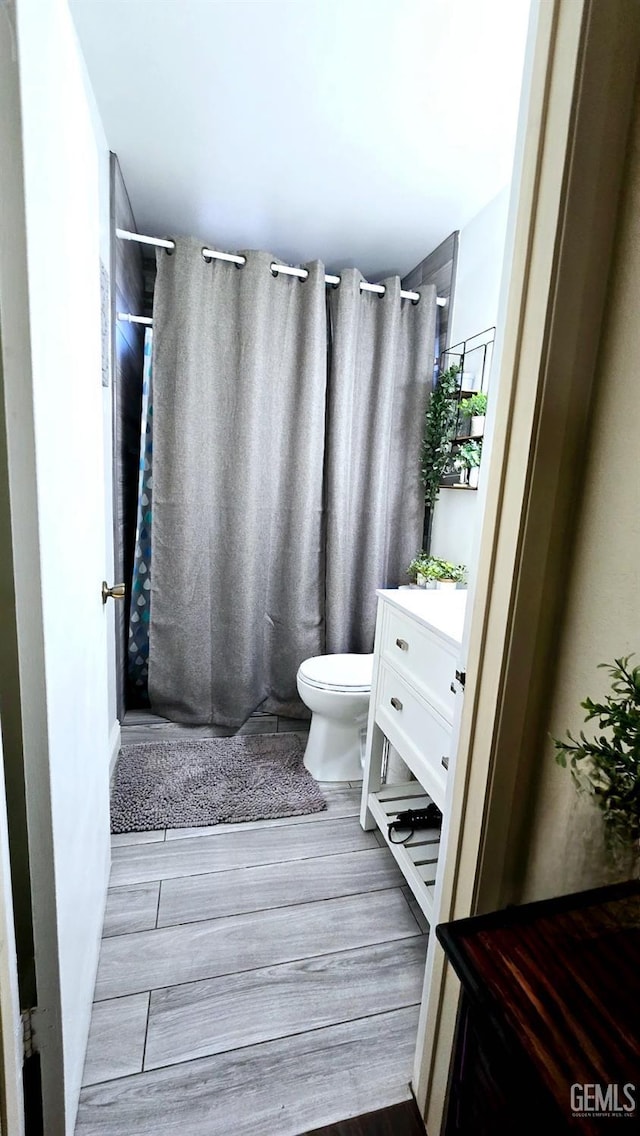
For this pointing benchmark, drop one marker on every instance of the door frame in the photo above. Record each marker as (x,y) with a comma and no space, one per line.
(27,750)
(580,80)
(12,1119)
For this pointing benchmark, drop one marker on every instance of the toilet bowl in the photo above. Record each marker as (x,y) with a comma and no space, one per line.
(336,688)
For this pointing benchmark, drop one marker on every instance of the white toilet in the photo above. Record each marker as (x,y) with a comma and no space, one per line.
(336,688)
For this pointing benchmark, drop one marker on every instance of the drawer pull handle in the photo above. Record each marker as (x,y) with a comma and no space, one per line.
(444,761)
(402,644)
(396,703)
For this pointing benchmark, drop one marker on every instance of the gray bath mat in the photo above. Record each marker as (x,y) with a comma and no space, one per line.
(186,784)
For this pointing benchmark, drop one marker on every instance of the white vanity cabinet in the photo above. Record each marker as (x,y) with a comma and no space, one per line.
(413,698)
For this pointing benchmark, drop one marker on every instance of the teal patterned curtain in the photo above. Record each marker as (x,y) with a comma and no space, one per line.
(138,652)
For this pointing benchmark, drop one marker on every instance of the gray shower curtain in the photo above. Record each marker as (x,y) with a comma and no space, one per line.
(239,423)
(281,500)
(379,383)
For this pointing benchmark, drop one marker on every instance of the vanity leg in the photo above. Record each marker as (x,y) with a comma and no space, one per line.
(375,759)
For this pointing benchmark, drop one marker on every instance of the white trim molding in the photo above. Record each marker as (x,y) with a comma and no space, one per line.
(115,741)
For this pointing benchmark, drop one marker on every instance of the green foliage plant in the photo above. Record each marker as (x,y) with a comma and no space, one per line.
(474,406)
(440,425)
(423,565)
(468,455)
(447,571)
(607,766)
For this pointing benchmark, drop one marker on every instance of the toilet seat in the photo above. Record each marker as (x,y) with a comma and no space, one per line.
(338,672)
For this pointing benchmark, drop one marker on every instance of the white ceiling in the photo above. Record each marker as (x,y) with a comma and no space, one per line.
(354,131)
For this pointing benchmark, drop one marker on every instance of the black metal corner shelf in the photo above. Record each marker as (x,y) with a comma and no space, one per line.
(473,356)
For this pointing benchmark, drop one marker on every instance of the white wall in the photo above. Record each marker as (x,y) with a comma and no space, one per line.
(56,417)
(475,308)
(601,617)
(479,271)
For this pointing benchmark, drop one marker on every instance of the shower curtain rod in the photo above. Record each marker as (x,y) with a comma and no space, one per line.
(302,273)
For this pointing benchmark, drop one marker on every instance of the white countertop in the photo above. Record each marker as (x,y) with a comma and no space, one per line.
(440,611)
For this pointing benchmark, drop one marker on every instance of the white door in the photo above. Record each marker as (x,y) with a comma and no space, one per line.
(51,356)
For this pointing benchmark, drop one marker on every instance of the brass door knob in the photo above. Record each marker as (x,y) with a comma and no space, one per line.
(117,592)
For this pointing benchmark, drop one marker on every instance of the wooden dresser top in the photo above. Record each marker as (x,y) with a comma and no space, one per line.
(561,980)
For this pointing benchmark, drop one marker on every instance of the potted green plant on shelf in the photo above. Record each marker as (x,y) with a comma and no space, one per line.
(474,410)
(440,425)
(607,767)
(467,462)
(449,575)
(423,569)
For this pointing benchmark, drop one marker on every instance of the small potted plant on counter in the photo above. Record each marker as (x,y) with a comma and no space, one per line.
(450,575)
(474,410)
(607,767)
(424,569)
(467,462)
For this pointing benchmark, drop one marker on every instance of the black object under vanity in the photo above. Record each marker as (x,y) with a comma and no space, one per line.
(548,1036)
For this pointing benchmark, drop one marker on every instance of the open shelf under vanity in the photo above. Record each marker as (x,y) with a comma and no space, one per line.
(416,857)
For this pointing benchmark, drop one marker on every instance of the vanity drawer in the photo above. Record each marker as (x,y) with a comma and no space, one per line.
(421,736)
(424,660)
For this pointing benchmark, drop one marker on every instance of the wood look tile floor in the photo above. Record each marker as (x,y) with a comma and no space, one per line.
(143,726)
(259,979)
